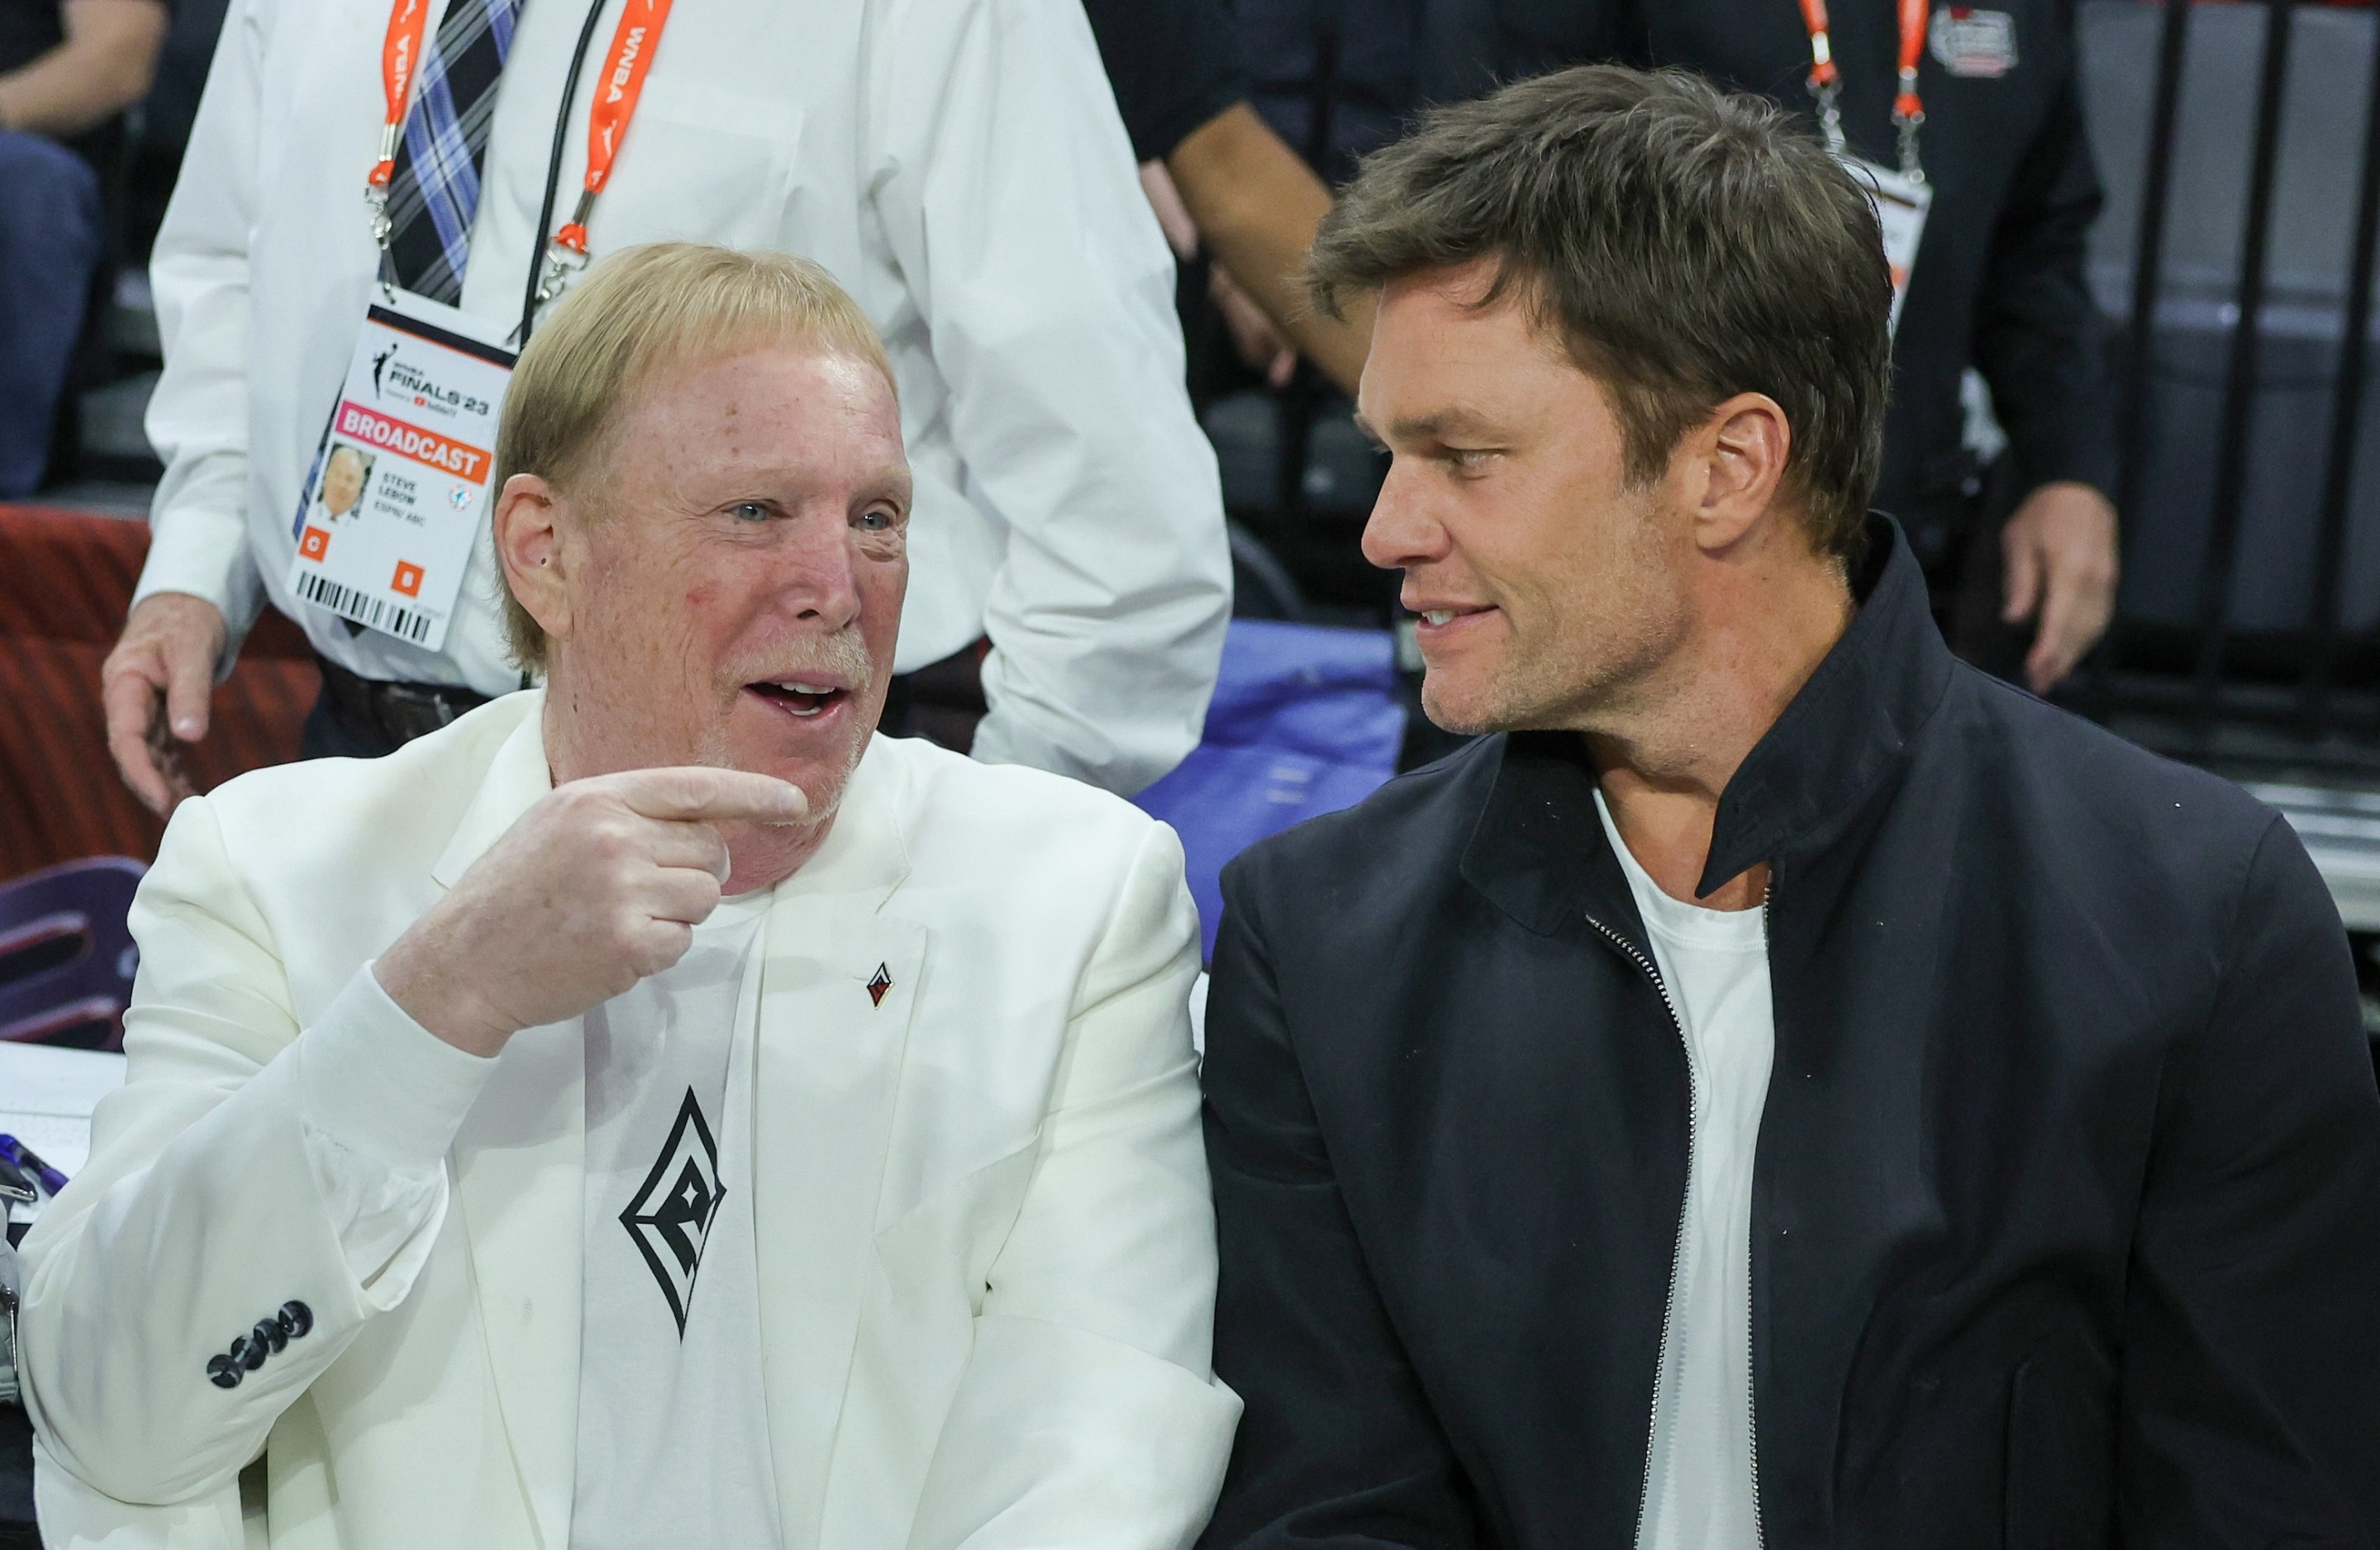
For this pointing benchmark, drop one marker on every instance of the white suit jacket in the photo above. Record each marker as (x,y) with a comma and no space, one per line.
(958,165)
(986,1243)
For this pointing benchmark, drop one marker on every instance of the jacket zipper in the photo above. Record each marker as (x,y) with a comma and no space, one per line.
(1751,1373)
(1678,1249)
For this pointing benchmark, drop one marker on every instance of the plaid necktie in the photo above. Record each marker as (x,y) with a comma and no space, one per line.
(434,189)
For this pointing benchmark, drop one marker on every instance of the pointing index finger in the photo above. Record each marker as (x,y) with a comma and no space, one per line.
(702,793)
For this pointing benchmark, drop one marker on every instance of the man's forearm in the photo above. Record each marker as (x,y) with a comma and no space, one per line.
(319,1182)
(1256,206)
(103,67)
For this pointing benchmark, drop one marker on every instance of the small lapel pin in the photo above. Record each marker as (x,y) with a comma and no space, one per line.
(878,984)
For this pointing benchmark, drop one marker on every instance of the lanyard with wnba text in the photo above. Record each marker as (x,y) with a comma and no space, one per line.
(634,42)
(400,57)
(1825,82)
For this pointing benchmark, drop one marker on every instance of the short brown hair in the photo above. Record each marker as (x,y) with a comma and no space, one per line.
(1687,244)
(636,312)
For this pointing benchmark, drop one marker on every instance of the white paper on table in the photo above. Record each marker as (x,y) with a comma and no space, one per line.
(46,1097)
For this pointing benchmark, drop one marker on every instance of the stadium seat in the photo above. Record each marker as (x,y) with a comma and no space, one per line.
(65,953)
(1305,719)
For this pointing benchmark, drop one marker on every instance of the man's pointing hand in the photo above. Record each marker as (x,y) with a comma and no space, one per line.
(597,886)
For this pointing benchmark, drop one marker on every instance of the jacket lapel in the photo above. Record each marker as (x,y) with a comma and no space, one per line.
(516,777)
(520,1171)
(838,982)
(520,1166)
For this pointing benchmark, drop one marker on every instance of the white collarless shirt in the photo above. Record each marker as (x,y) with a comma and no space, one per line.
(957,166)
(672,1421)
(1700,1487)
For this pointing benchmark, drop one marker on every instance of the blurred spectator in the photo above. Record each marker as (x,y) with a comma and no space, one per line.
(1220,177)
(69,69)
(167,114)
(1997,284)
(1339,79)
(957,164)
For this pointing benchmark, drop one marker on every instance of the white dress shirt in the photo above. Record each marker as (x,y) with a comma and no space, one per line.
(1701,1491)
(958,165)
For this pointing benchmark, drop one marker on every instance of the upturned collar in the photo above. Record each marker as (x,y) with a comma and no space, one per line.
(1538,849)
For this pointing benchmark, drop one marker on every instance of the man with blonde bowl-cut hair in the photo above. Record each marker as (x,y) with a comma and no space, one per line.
(655,1109)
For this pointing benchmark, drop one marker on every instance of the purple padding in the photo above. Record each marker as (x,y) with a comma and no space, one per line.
(66,956)
(1304,720)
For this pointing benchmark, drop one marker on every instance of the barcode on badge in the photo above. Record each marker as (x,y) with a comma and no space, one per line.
(376,614)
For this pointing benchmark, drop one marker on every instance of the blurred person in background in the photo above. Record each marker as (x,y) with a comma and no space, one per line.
(2020,552)
(958,164)
(1220,178)
(69,69)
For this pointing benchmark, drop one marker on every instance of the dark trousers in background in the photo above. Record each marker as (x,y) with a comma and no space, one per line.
(364,718)
(1964,574)
(940,702)
(50,239)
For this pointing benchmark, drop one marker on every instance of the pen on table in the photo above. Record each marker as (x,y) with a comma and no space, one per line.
(26,1159)
(15,1185)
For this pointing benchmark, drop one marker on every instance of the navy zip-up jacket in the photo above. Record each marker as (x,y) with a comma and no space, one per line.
(2066,1216)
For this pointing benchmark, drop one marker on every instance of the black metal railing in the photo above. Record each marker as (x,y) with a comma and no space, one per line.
(2193,676)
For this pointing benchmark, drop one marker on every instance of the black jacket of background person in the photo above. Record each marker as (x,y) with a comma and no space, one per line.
(1998,283)
(2065,1209)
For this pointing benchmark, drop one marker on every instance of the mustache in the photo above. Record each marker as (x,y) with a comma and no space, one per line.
(842,654)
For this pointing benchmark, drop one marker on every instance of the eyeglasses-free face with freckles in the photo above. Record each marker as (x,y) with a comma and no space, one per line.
(729,580)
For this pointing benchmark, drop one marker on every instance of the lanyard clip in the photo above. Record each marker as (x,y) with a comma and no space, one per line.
(562,265)
(376,187)
(1828,90)
(1910,168)
(1908,117)
(566,254)
(376,202)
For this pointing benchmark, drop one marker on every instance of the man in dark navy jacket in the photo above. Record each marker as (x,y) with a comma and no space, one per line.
(1784,1087)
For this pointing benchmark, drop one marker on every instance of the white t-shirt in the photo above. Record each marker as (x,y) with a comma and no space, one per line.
(672,1426)
(1699,1494)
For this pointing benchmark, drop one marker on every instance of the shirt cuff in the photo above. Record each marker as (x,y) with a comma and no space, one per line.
(383,1086)
(203,552)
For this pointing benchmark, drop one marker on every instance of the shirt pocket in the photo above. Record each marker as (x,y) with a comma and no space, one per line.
(701,164)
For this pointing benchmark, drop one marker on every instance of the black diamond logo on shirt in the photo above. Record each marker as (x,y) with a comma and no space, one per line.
(671,1217)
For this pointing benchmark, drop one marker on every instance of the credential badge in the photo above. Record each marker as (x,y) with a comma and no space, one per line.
(1975,43)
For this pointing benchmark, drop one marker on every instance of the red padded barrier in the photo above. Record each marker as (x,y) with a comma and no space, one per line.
(66,580)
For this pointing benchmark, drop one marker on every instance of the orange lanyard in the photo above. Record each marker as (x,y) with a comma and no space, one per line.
(634,42)
(1825,80)
(400,58)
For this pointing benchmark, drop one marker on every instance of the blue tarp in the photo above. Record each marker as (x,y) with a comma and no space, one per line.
(1305,719)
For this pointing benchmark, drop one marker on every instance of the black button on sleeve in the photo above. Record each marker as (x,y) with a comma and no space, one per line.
(223,1373)
(297,1318)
